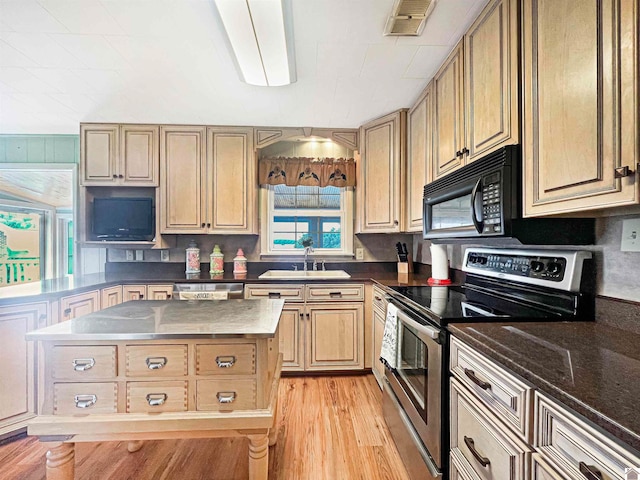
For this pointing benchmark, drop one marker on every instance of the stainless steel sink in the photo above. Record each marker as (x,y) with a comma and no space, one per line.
(301,274)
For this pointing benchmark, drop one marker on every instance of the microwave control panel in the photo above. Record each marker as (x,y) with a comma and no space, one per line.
(550,268)
(492,204)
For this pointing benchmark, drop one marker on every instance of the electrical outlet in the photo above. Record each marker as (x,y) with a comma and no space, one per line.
(630,235)
(359,253)
(164,255)
(129,255)
(139,255)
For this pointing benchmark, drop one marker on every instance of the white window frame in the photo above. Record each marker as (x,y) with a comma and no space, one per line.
(345,213)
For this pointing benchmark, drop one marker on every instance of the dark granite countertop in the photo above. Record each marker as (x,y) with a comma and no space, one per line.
(591,368)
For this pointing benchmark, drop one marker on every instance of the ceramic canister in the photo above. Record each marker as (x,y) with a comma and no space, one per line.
(216,260)
(193,258)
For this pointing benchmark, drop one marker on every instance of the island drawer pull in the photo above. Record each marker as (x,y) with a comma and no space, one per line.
(85,401)
(225,361)
(156,363)
(274,294)
(226,397)
(83,364)
(335,294)
(472,375)
(67,312)
(484,461)
(590,472)
(156,399)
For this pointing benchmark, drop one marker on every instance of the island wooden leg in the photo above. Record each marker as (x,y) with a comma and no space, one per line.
(134,445)
(273,431)
(258,457)
(61,462)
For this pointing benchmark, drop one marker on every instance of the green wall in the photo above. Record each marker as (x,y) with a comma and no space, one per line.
(39,148)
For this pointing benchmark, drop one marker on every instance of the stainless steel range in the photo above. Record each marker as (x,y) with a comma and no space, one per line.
(500,285)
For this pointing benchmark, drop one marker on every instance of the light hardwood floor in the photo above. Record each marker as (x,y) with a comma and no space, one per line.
(329,428)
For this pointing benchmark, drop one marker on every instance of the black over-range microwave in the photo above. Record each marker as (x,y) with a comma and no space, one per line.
(483,201)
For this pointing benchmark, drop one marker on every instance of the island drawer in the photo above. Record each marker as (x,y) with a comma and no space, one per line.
(156,360)
(156,397)
(83,363)
(478,442)
(501,392)
(574,447)
(290,293)
(226,394)
(226,359)
(84,398)
(340,292)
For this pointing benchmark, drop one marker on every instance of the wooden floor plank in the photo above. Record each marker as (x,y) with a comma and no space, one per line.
(328,428)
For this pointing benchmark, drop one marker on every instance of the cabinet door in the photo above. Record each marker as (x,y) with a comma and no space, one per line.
(77,305)
(139,155)
(134,292)
(110,296)
(491,70)
(335,336)
(292,338)
(232,180)
(448,114)
(159,292)
(378,331)
(419,157)
(17,357)
(580,92)
(98,154)
(182,180)
(380,193)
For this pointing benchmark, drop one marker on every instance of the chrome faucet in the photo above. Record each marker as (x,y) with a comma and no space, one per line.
(307,251)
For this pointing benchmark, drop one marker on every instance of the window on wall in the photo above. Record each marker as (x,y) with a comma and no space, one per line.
(22,246)
(297,215)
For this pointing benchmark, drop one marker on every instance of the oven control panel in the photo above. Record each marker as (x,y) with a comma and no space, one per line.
(552,268)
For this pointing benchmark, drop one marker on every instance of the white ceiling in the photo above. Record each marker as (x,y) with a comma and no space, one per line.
(63,62)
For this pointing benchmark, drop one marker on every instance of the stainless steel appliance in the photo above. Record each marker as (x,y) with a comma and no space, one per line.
(501,285)
(207,291)
(482,200)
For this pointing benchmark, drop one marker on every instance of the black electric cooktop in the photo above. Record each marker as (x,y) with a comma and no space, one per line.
(486,300)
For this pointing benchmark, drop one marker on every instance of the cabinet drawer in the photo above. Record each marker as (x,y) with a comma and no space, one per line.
(571,445)
(226,394)
(335,292)
(379,299)
(501,392)
(231,359)
(541,470)
(84,363)
(290,293)
(156,360)
(491,450)
(84,398)
(156,397)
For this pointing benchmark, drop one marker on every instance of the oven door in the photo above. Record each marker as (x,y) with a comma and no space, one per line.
(417,380)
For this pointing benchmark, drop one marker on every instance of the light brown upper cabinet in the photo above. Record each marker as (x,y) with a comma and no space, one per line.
(207,183)
(380,190)
(580,92)
(475,92)
(492,101)
(419,157)
(448,113)
(112,155)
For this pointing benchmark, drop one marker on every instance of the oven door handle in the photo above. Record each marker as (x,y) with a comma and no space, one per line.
(477,188)
(431,332)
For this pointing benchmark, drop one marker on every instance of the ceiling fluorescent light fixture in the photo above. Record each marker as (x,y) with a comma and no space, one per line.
(261,37)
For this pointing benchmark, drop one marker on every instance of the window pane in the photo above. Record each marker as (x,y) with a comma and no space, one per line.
(19,247)
(306,197)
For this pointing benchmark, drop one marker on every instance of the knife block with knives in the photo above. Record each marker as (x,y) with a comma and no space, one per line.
(405,264)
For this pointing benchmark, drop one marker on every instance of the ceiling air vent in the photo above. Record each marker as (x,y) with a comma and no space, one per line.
(408,17)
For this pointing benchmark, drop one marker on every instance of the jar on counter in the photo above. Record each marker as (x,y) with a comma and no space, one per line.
(216,261)
(240,265)
(193,258)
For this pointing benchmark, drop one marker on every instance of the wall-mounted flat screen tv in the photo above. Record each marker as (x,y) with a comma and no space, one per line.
(119,218)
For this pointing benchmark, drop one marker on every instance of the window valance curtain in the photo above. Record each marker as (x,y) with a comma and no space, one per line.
(320,172)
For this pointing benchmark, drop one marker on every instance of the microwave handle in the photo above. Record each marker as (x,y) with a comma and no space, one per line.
(477,188)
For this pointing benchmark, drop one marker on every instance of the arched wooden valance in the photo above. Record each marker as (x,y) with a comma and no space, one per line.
(321,172)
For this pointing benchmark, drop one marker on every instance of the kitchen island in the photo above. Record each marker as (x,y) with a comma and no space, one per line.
(158,370)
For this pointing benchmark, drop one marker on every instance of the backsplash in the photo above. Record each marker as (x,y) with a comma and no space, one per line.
(616,271)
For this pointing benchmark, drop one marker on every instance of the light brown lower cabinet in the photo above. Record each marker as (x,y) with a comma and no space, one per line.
(325,334)
(146,292)
(379,319)
(111,296)
(81,304)
(134,292)
(159,292)
(18,360)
